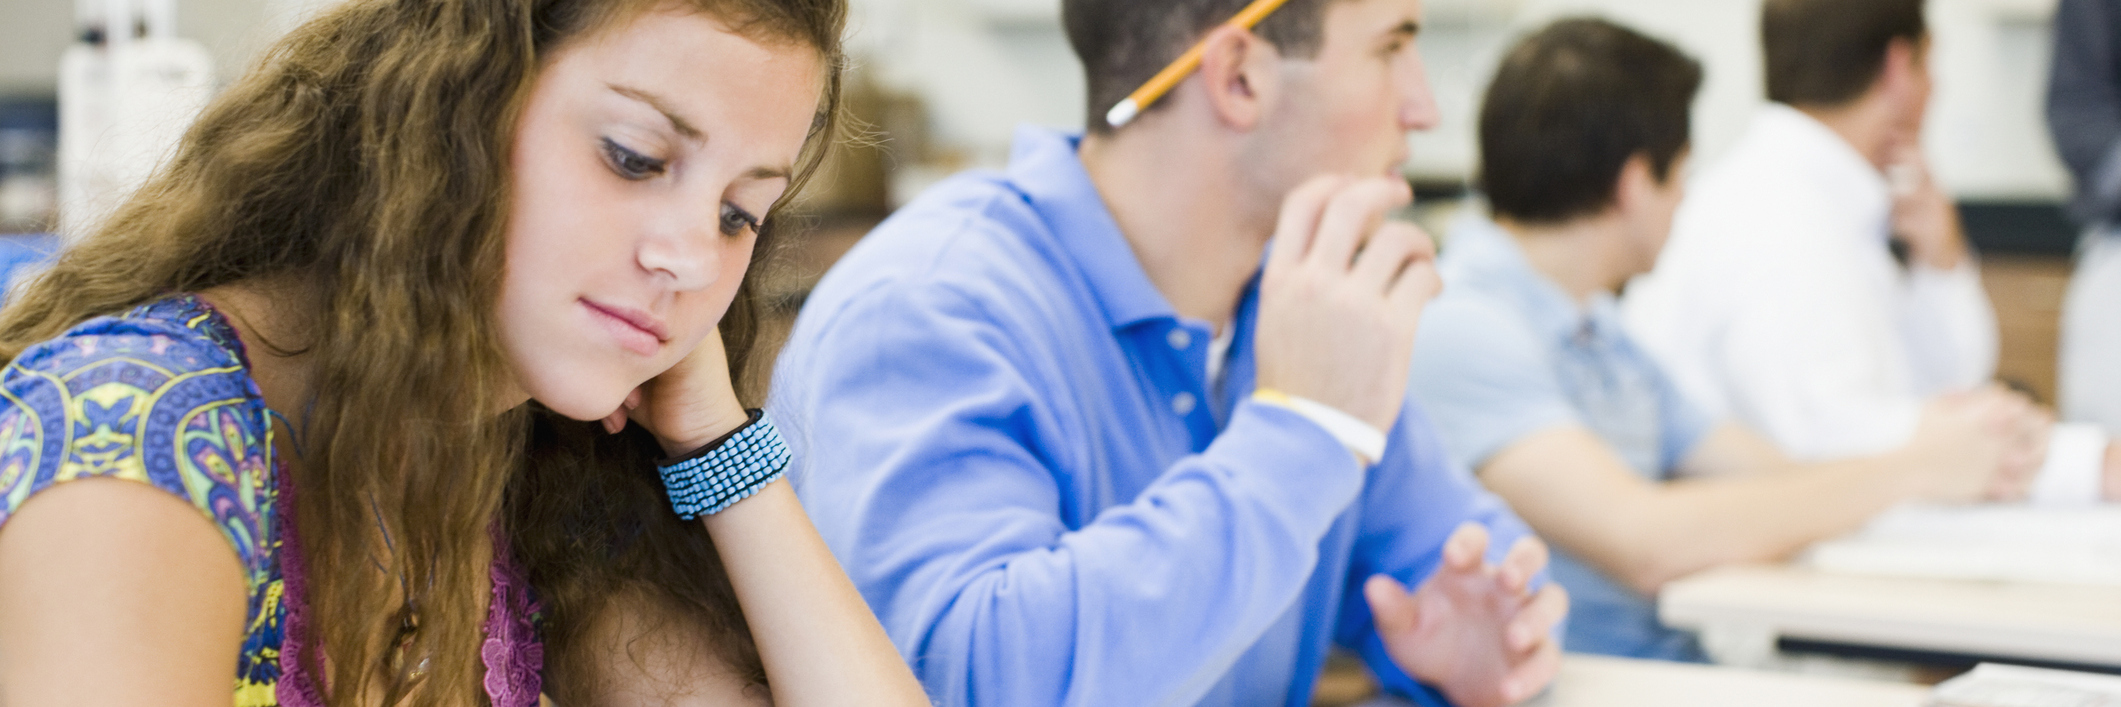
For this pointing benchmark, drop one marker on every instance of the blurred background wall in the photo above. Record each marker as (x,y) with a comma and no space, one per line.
(941,85)
(976,68)
(981,66)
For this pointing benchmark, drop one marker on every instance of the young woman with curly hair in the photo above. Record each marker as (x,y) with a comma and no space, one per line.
(367,322)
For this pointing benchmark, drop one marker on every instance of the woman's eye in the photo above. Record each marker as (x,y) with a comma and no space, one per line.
(735,221)
(629,164)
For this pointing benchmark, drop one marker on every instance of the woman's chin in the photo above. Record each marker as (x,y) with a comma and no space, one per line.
(583,405)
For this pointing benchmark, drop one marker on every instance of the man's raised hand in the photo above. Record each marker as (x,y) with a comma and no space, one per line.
(1342,295)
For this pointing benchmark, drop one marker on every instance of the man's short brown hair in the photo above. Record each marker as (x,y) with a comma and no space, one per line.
(1829,52)
(1123,43)
(1570,105)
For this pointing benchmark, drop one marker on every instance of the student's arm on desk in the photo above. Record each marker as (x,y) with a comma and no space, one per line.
(1571,487)
(1729,451)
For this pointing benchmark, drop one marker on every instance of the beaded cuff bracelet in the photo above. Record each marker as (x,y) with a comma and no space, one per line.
(727,470)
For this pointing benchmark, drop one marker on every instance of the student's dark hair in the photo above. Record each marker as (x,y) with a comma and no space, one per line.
(1567,109)
(1828,52)
(1122,43)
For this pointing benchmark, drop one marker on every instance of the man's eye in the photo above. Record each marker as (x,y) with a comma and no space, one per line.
(629,164)
(735,221)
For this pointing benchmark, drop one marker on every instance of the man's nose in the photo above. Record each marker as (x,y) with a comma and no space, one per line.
(1417,104)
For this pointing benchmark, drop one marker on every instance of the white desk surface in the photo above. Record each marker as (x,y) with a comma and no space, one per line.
(2054,622)
(1597,681)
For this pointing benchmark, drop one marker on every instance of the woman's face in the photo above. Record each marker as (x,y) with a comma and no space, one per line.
(642,164)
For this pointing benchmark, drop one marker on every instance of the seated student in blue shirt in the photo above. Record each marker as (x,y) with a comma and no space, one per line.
(1534,384)
(1077,446)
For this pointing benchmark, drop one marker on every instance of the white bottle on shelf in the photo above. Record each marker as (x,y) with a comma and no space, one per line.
(124,105)
(84,117)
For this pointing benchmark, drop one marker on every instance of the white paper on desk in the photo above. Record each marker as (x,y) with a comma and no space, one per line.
(1992,685)
(1996,542)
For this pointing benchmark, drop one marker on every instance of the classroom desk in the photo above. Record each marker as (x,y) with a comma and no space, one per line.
(1597,681)
(1741,611)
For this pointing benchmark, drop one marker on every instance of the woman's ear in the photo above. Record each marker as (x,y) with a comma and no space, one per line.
(1240,73)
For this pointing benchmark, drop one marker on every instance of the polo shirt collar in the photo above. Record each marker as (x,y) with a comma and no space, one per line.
(1044,166)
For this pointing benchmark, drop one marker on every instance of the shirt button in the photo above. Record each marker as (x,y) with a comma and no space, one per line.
(1179,339)
(1182,403)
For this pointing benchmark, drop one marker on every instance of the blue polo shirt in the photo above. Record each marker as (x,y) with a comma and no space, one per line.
(1504,353)
(1008,438)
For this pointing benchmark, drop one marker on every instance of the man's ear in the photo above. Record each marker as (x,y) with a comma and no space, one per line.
(1239,73)
(1637,184)
(1903,59)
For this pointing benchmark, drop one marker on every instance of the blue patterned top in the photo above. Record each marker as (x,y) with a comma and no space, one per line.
(160,395)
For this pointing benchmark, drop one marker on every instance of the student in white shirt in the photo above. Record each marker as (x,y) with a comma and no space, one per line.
(1780,301)
(1535,385)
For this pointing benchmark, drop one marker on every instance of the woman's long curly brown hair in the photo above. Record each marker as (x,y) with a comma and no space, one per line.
(366,159)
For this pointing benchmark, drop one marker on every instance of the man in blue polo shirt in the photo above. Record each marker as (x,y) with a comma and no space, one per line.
(1077,447)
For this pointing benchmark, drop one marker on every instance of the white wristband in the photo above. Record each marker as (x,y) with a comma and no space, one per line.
(1359,437)
(2075,470)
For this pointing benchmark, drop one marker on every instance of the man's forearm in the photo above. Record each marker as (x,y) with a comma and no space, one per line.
(1231,534)
(1704,523)
(1643,533)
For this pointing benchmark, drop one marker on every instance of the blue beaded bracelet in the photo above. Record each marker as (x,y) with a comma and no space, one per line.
(727,470)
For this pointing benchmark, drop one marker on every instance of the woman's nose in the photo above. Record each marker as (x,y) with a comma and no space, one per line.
(684,251)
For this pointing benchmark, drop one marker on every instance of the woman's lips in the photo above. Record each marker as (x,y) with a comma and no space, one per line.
(635,330)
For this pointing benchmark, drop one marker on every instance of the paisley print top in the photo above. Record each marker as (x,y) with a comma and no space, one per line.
(162,395)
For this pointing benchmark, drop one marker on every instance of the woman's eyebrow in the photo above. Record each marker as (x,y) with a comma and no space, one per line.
(770,173)
(676,123)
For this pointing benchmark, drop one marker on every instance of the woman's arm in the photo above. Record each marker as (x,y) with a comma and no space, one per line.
(820,642)
(818,639)
(115,593)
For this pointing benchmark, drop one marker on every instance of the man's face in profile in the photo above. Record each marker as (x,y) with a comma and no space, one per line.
(1919,100)
(1348,110)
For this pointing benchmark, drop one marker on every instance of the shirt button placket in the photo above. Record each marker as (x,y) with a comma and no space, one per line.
(1183,403)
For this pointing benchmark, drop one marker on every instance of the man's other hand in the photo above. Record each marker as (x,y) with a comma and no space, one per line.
(1475,630)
